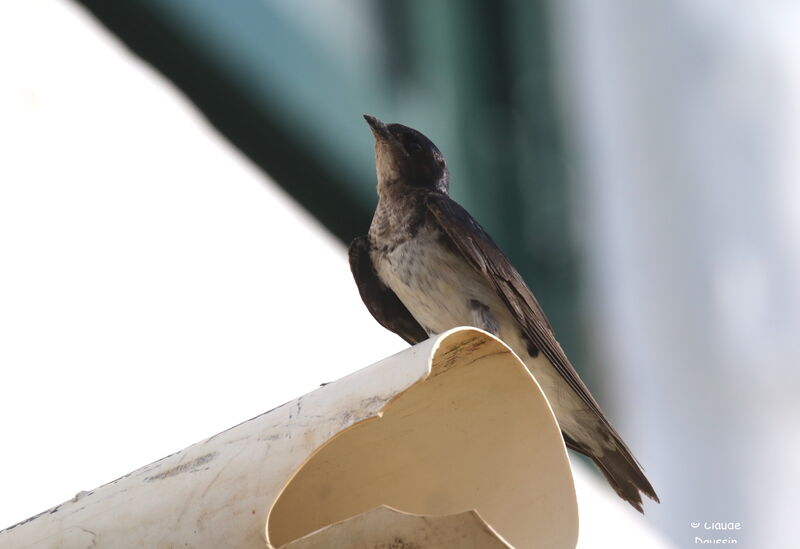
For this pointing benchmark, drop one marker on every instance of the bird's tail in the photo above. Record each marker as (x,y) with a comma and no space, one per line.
(620,468)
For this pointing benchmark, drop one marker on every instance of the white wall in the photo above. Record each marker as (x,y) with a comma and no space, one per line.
(685,117)
(148,269)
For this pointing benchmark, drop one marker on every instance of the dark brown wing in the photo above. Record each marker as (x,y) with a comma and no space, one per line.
(477,247)
(380,300)
(469,238)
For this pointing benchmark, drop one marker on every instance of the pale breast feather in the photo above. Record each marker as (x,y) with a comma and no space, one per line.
(434,283)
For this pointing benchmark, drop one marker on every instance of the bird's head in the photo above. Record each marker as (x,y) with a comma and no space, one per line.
(405,156)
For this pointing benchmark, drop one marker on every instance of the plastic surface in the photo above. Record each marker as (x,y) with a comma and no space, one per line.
(451,425)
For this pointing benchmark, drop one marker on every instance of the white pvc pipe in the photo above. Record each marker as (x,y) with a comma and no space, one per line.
(453,424)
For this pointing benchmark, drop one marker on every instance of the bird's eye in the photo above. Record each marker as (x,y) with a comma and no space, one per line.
(413,147)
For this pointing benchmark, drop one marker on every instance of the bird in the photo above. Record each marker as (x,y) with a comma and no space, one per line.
(426,266)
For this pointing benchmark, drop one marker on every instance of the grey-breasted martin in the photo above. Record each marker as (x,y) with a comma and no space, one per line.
(427,266)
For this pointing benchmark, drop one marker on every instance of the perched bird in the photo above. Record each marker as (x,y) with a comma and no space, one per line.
(427,266)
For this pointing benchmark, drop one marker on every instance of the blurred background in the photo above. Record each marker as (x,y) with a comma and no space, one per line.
(178,180)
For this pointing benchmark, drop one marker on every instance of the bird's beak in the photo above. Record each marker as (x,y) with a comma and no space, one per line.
(379,129)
